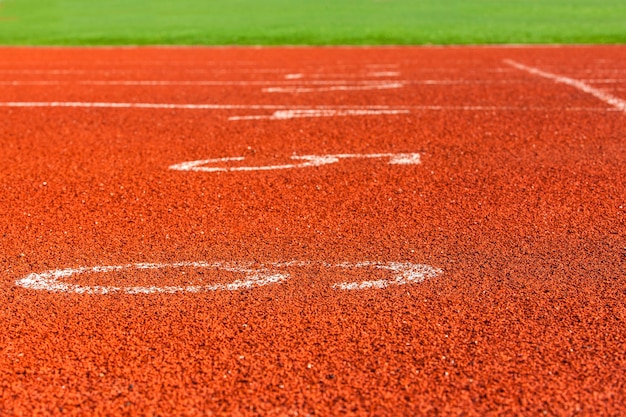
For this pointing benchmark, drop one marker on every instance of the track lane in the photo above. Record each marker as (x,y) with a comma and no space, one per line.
(523,212)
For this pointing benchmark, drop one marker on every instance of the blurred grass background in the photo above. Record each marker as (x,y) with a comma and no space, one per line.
(312,22)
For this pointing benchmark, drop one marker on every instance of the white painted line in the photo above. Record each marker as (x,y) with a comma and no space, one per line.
(293,82)
(299,90)
(384,74)
(255,275)
(381,67)
(82,104)
(294,114)
(213,83)
(283,112)
(34,82)
(37,71)
(375,73)
(307,161)
(606,97)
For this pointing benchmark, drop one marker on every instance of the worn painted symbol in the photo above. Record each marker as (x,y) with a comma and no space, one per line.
(252,275)
(299,161)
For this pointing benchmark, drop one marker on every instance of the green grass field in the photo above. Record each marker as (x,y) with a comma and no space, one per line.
(316,22)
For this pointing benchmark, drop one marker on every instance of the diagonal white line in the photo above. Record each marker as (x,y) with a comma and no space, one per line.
(606,97)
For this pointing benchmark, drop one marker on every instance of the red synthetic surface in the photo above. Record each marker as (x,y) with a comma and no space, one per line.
(520,202)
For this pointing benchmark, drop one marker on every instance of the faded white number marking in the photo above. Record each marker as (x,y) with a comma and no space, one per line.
(254,275)
(301,161)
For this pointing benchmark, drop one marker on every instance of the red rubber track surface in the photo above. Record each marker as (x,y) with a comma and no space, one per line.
(519,200)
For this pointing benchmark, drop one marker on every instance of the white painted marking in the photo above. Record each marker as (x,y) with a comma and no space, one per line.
(255,275)
(307,161)
(384,74)
(606,97)
(81,104)
(37,71)
(50,280)
(404,273)
(282,112)
(293,76)
(213,83)
(287,111)
(33,82)
(294,114)
(370,86)
(382,66)
(293,82)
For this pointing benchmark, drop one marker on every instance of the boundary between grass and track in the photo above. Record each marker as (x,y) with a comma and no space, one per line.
(343,46)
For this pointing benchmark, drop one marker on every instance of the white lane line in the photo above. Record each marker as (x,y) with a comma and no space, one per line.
(304,113)
(606,97)
(254,275)
(269,84)
(307,161)
(294,114)
(36,71)
(207,106)
(299,90)
(384,74)
(375,74)
(283,112)
(211,83)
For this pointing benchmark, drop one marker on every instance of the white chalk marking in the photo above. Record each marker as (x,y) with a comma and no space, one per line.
(604,96)
(254,276)
(307,161)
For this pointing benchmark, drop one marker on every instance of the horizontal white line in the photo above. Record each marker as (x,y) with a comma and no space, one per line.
(286,108)
(158,83)
(298,90)
(340,84)
(293,114)
(579,85)
(81,104)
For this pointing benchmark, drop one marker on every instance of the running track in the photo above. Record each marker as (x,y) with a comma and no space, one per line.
(322,231)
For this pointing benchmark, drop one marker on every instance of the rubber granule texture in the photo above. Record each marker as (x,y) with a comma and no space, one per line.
(516,205)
